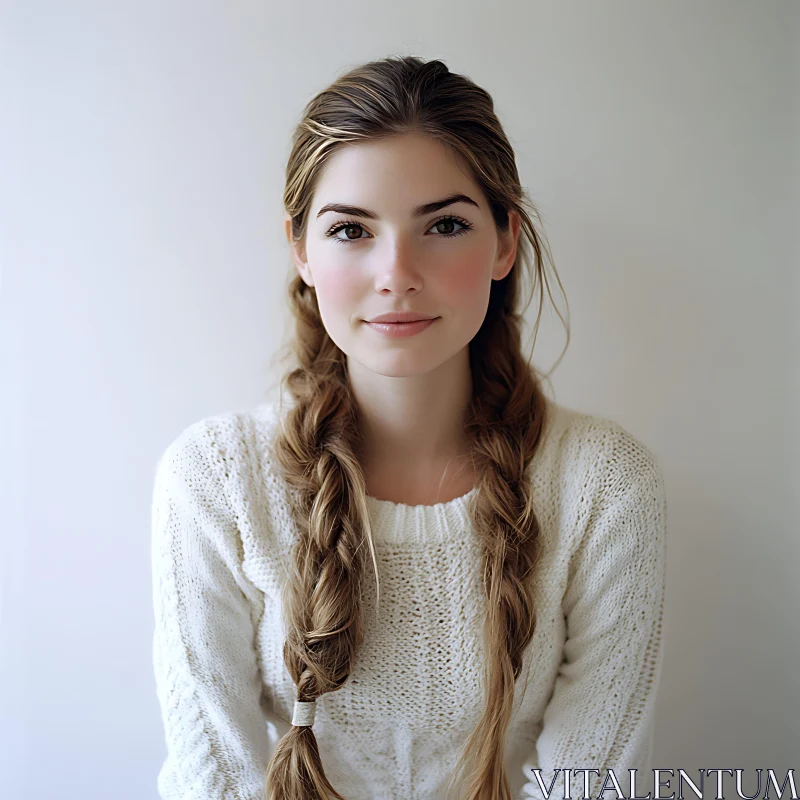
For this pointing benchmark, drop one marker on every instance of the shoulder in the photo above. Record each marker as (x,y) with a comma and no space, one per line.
(599,454)
(202,445)
(599,440)
(229,448)
(611,492)
(227,459)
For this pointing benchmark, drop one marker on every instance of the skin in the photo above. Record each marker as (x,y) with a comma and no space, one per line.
(413,392)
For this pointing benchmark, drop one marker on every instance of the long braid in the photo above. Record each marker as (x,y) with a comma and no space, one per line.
(321,597)
(508,416)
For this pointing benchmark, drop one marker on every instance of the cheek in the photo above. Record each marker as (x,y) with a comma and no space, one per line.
(466,284)
(338,289)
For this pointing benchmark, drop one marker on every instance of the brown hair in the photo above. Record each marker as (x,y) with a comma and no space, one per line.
(320,441)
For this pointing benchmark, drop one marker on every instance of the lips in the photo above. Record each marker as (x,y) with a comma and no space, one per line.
(400,317)
(401,329)
(400,321)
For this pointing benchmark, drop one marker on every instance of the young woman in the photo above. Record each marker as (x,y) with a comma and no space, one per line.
(412,575)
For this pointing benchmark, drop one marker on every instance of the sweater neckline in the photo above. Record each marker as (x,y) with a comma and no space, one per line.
(403,525)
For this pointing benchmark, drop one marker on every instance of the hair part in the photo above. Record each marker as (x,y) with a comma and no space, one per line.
(319,443)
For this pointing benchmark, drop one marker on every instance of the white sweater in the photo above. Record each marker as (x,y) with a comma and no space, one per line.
(222,534)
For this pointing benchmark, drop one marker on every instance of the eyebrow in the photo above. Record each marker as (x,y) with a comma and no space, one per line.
(419,211)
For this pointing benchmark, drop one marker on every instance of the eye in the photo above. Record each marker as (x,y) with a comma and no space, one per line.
(350,225)
(341,227)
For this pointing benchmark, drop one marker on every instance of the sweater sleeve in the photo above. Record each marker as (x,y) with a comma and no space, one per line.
(600,715)
(219,738)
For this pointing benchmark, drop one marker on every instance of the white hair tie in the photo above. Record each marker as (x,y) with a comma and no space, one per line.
(304,713)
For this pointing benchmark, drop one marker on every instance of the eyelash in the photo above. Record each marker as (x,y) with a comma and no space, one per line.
(352,224)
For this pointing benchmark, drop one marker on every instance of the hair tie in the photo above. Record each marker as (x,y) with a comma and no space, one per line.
(304,713)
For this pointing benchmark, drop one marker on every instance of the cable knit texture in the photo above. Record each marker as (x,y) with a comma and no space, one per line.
(222,537)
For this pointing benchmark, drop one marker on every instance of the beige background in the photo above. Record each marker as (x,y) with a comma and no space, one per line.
(143,265)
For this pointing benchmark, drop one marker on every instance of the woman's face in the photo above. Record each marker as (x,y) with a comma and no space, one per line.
(399,261)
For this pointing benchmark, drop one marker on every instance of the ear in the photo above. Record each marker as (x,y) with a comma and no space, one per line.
(507,247)
(298,252)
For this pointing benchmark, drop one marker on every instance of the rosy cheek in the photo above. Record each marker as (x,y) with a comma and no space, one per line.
(466,281)
(338,288)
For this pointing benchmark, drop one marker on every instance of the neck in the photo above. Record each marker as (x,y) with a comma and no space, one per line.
(415,419)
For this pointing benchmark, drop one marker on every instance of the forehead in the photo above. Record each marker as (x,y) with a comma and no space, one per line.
(392,175)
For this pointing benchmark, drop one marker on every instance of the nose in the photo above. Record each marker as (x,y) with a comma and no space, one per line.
(399,271)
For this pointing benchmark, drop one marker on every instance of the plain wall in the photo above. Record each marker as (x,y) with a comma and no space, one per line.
(142,156)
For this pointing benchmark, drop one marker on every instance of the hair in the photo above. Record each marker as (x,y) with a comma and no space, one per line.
(319,443)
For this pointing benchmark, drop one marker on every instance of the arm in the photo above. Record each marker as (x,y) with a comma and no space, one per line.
(219,739)
(601,712)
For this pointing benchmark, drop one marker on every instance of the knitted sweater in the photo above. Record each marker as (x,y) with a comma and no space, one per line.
(222,535)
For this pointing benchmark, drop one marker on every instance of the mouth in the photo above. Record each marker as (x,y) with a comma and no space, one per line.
(400,317)
(401,329)
(400,321)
